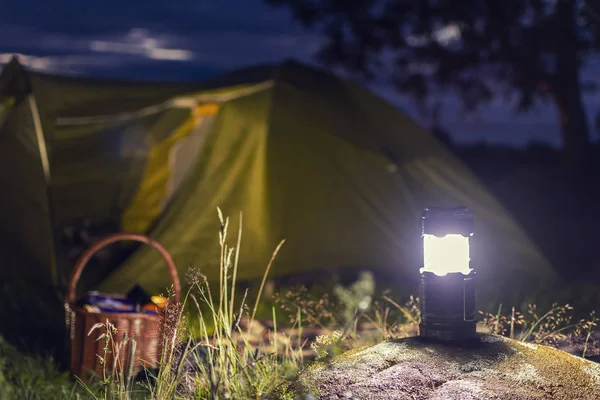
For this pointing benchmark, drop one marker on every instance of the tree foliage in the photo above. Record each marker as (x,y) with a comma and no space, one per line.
(478,48)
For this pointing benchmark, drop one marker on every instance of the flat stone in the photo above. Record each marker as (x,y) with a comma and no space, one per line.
(489,367)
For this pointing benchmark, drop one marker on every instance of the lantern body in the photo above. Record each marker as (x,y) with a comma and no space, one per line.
(447,280)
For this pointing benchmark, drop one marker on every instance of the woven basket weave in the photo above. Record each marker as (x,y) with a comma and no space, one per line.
(144,329)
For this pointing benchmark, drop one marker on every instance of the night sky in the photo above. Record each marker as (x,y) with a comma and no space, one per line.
(194,39)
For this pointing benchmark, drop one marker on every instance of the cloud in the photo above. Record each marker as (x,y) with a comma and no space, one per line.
(32,62)
(141,42)
(448,34)
(58,53)
(63,64)
(443,36)
(220,34)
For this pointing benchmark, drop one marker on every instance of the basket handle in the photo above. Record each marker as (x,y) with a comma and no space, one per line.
(110,239)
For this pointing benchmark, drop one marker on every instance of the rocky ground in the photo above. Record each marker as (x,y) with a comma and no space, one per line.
(491,367)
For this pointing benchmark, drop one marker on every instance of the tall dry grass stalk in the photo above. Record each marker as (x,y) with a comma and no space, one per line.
(117,380)
(221,361)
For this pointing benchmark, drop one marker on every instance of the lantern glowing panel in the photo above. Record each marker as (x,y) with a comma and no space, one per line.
(446,254)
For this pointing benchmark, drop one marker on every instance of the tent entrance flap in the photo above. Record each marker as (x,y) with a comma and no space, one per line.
(170,161)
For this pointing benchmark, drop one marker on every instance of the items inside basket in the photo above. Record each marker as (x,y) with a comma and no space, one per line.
(137,300)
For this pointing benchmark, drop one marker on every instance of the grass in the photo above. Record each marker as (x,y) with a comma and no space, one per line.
(25,377)
(214,346)
(556,327)
(214,358)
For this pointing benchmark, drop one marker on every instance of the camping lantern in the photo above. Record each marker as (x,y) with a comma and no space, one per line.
(447,280)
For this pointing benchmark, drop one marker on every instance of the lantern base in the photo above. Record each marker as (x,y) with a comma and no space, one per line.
(447,306)
(447,331)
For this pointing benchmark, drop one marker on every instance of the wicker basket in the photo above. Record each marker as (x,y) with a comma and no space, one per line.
(144,329)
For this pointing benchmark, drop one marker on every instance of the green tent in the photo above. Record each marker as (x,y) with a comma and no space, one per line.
(319,161)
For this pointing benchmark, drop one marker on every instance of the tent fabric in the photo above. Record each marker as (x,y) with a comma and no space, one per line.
(5,106)
(26,233)
(321,162)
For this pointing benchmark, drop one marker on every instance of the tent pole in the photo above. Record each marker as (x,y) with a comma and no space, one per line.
(39,133)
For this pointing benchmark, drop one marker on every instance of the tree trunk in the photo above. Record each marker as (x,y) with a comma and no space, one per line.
(574,127)
(567,91)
